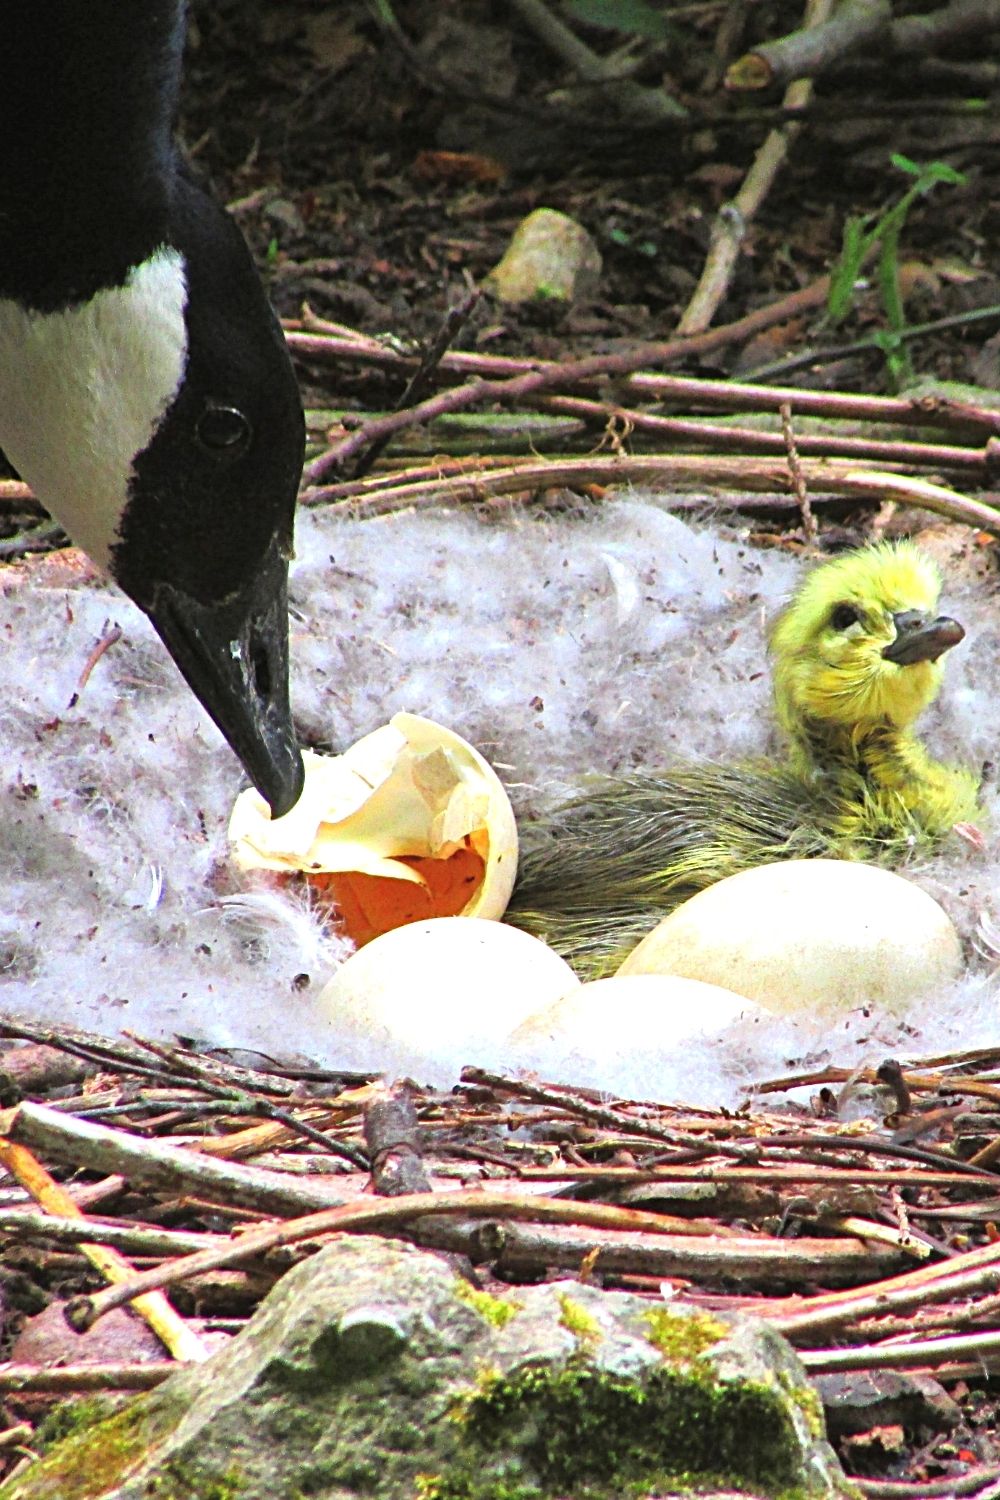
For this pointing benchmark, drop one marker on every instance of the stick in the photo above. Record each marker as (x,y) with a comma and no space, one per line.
(169,1327)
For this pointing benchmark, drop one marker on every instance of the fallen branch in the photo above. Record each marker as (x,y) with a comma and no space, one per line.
(821,1258)
(732,220)
(662,471)
(812,51)
(67,1380)
(168,1167)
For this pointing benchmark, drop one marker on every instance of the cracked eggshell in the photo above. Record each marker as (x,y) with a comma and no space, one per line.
(649,1036)
(411,822)
(430,997)
(805,934)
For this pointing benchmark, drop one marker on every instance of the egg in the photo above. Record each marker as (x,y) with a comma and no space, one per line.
(801,934)
(647,1036)
(409,823)
(429,997)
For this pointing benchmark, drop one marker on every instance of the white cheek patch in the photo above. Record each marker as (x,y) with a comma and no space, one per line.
(82,392)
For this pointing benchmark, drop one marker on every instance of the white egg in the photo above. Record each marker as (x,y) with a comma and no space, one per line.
(645,1036)
(427,998)
(809,933)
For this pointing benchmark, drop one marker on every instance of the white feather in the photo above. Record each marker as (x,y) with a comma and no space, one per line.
(507,631)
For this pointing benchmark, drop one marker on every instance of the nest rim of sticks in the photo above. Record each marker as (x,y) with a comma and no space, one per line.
(869,1243)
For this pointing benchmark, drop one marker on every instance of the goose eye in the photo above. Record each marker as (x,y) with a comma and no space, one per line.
(844,616)
(223,430)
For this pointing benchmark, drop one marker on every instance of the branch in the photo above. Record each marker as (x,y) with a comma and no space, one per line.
(810,52)
(732,219)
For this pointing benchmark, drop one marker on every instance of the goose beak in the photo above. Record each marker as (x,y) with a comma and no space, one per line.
(233,653)
(920,639)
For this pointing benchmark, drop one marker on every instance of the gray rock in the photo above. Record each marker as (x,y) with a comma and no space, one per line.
(859,1399)
(371,1369)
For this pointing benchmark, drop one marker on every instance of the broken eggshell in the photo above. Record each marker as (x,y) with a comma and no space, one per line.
(410,822)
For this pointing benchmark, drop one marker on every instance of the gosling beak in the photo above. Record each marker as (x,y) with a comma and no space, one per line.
(920,639)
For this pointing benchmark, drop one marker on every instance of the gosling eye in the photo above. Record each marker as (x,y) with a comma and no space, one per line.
(844,616)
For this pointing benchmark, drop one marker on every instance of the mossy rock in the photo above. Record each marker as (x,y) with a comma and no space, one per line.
(371,1370)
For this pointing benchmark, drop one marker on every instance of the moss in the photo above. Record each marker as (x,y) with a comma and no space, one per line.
(494,1310)
(584,1431)
(72,1416)
(179,1481)
(581,1324)
(99,1454)
(96,1458)
(809,1404)
(681,1337)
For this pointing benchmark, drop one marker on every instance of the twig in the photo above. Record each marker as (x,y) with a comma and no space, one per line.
(932,1489)
(981,1348)
(733,218)
(798,478)
(758,1262)
(535,381)
(643,105)
(165,1166)
(108,638)
(832,352)
(824,1259)
(170,1328)
(72,1379)
(240,1099)
(134,1239)
(978,463)
(927,32)
(42,538)
(976,1270)
(653,470)
(422,378)
(312,337)
(775,1176)
(392,1136)
(882,1234)
(596,1114)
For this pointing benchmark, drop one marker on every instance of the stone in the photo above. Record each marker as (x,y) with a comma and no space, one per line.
(373,1370)
(550,258)
(857,1400)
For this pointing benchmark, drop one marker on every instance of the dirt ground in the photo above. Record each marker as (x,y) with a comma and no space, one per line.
(380,176)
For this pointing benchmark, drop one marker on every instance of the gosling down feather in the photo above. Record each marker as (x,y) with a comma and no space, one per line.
(857,658)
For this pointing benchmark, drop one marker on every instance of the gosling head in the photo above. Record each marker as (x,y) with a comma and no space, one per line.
(860,645)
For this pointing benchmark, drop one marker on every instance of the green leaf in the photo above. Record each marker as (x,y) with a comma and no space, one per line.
(845,273)
(633,16)
(934,171)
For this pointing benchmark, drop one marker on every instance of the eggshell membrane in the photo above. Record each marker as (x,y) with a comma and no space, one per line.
(802,934)
(431,996)
(411,822)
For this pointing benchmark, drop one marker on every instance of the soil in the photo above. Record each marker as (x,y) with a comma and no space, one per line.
(380,178)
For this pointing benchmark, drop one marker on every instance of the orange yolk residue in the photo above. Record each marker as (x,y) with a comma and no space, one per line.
(365,906)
